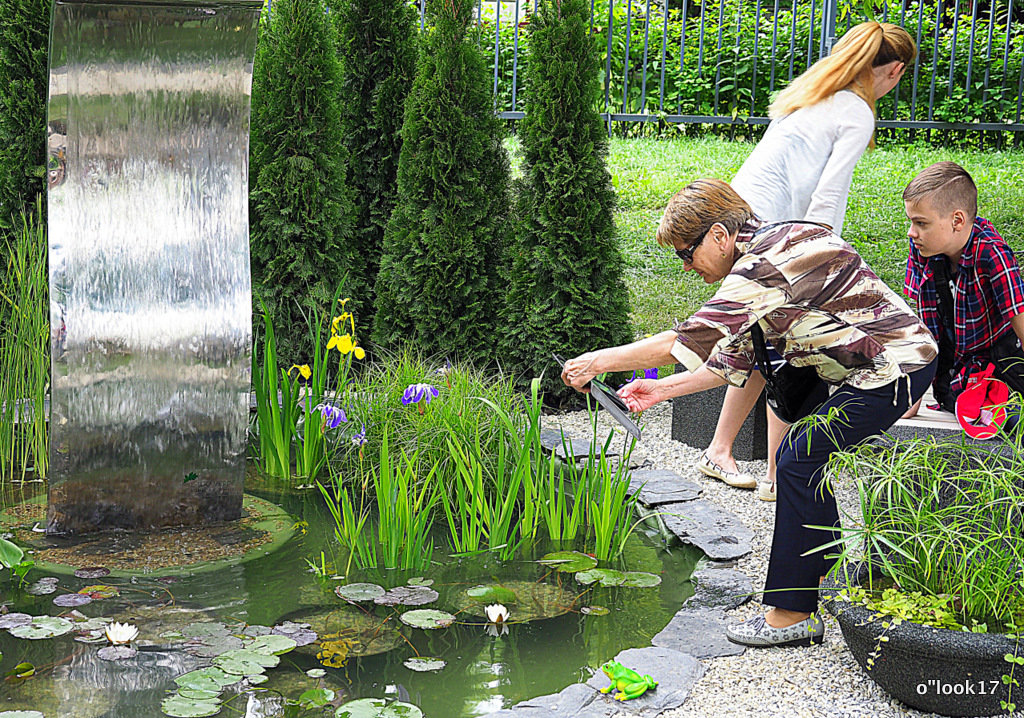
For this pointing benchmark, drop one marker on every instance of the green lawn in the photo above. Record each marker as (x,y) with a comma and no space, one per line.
(646,173)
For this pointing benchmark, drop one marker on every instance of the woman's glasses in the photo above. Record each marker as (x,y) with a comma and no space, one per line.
(687,254)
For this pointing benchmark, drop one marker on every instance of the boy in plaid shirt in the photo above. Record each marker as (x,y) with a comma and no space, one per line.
(966,281)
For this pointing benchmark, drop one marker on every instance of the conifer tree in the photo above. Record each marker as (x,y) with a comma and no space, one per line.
(300,211)
(24,36)
(439,286)
(567,293)
(377,46)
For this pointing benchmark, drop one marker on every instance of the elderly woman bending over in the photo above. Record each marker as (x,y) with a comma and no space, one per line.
(819,305)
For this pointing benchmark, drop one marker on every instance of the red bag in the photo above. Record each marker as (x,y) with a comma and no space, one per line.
(980,408)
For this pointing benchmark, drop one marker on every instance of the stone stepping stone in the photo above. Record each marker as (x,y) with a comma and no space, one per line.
(699,632)
(577,448)
(720,587)
(712,529)
(660,486)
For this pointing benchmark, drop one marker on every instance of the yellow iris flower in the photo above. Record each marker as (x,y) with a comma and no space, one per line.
(304,371)
(343,343)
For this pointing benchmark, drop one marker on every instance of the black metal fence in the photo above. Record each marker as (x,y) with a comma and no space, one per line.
(695,61)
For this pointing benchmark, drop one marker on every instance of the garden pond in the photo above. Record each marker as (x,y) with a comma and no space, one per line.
(234,615)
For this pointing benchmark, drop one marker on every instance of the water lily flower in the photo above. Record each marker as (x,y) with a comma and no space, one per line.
(415,393)
(334,416)
(304,371)
(496,613)
(121,633)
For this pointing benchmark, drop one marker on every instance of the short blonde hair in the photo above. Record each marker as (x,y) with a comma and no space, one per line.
(700,204)
(947,186)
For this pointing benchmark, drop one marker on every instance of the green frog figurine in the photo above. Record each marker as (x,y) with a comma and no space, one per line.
(629,683)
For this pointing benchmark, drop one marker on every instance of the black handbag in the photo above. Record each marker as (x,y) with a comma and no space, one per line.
(789,389)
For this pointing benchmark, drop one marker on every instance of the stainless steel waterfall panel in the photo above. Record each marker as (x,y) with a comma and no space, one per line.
(150,308)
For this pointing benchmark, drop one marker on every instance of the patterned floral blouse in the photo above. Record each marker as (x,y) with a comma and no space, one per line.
(819,305)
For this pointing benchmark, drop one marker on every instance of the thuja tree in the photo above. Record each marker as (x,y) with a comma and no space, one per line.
(439,288)
(377,44)
(300,210)
(567,292)
(24,34)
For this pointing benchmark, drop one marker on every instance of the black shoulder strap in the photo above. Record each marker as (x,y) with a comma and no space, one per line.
(761,351)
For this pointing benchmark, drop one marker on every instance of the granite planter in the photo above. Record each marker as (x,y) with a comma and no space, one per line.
(952,673)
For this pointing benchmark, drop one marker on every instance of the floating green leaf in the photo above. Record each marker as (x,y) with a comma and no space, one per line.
(491,594)
(272,645)
(205,679)
(641,579)
(21,714)
(316,698)
(533,600)
(99,592)
(201,630)
(604,576)
(377,708)
(243,662)
(420,581)
(594,611)
(199,695)
(429,618)
(407,596)
(568,561)
(257,679)
(21,671)
(424,664)
(316,673)
(43,627)
(356,592)
(181,707)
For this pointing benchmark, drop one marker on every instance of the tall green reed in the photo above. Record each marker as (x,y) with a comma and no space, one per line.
(24,350)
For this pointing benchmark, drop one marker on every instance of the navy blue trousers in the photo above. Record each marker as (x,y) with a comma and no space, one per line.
(802,501)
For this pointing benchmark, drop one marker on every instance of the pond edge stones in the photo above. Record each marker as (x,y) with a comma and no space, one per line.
(696,631)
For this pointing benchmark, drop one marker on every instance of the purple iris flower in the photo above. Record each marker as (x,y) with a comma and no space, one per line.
(360,438)
(415,393)
(648,374)
(334,416)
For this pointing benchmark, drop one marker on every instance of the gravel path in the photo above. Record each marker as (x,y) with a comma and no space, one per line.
(819,681)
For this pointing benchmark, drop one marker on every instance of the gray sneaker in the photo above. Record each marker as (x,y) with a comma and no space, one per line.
(757,633)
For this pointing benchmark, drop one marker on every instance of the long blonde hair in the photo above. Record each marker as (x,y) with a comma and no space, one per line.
(865,46)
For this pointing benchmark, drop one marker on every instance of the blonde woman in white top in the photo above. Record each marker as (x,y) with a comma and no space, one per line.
(801,169)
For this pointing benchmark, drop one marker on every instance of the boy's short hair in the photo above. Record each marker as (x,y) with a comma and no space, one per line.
(948,187)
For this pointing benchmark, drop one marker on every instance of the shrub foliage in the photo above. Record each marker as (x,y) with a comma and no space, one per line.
(300,210)
(567,291)
(24,34)
(377,44)
(439,285)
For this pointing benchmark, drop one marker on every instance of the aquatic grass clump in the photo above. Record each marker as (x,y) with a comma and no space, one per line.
(941,519)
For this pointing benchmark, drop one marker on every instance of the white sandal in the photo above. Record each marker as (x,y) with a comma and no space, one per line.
(766,490)
(737,479)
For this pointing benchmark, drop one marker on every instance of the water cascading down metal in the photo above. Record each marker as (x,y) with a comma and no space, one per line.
(150,295)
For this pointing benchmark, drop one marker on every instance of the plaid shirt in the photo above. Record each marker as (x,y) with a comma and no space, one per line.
(988,292)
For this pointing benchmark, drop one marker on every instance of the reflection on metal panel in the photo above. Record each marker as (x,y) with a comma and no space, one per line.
(150,309)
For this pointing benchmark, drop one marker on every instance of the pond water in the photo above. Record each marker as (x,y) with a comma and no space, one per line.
(483,673)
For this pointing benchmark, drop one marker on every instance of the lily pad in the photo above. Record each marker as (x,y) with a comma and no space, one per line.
(301,633)
(116,653)
(202,630)
(420,581)
(198,694)
(377,708)
(428,618)
(205,679)
(21,714)
(272,645)
(568,561)
(424,664)
(99,592)
(316,673)
(67,600)
(245,663)
(641,579)
(257,679)
(603,576)
(212,646)
(491,594)
(43,627)
(356,592)
(316,697)
(92,624)
(594,611)
(407,596)
(13,620)
(257,631)
(41,589)
(533,600)
(180,707)
(92,572)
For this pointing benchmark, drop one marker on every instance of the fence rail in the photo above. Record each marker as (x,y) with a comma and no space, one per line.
(696,61)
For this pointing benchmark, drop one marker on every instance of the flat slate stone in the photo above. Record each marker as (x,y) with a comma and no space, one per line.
(577,701)
(674,671)
(715,531)
(578,448)
(720,587)
(659,486)
(699,632)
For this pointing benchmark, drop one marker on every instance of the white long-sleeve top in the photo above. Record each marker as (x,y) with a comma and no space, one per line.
(802,167)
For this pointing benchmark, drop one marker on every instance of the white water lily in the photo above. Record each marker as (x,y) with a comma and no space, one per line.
(121,633)
(496,613)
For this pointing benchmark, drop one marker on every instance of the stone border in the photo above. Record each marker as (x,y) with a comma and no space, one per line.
(696,631)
